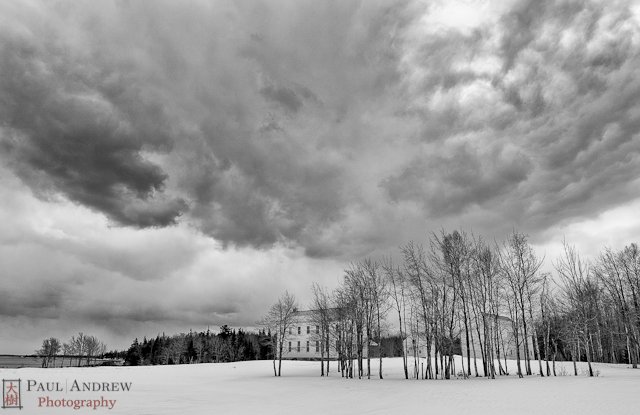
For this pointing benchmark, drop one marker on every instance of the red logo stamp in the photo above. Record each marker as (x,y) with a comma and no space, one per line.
(11,397)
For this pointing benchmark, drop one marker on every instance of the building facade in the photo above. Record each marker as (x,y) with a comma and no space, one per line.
(303,339)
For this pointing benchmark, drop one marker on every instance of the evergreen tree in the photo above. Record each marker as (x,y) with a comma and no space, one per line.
(134,354)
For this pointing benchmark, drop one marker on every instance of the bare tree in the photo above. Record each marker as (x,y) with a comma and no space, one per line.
(357,300)
(76,350)
(520,266)
(92,348)
(455,262)
(199,346)
(176,347)
(322,317)
(345,329)
(397,283)
(546,307)
(619,273)
(377,296)
(279,319)
(485,286)
(67,350)
(579,293)
(424,292)
(49,350)
(447,256)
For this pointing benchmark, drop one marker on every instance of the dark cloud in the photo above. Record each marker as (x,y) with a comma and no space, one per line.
(63,132)
(312,131)
(283,96)
(447,185)
(145,124)
(194,316)
(526,117)
(39,302)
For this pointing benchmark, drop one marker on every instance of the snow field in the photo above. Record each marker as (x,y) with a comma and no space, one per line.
(251,388)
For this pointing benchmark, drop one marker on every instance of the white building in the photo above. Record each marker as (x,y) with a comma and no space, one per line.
(303,339)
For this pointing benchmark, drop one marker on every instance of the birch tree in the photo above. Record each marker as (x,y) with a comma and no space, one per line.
(579,291)
(279,319)
(322,317)
(397,290)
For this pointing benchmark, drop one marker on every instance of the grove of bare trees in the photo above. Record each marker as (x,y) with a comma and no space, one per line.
(81,349)
(487,301)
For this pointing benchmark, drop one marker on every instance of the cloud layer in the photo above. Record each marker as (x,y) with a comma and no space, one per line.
(266,124)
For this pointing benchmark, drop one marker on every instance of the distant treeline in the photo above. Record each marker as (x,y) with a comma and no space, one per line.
(228,345)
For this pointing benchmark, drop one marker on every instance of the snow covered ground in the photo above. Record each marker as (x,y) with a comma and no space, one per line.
(251,388)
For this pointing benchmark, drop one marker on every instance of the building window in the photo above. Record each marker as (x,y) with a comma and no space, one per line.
(290,332)
(298,330)
(307,346)
(317,346)
(308,329)
(289,346)
(298,346)
(317,329)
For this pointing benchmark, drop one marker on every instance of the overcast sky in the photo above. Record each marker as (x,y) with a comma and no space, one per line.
(167,166)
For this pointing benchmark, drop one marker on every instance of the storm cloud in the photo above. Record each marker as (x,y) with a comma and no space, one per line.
(263,124)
